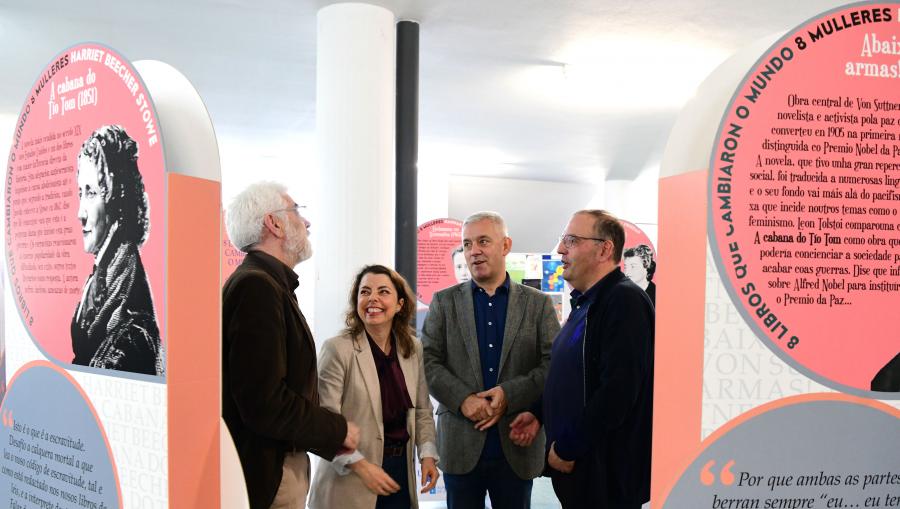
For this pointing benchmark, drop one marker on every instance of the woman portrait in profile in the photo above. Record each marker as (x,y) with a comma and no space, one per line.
(373,374)
(114,326)
(640,266)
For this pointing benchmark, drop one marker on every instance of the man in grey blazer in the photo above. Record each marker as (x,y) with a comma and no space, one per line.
(487,348)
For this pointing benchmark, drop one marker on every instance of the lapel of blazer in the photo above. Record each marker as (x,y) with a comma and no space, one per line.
(299,315)
(366,365)
(515,312)
(465,311)
(410,368)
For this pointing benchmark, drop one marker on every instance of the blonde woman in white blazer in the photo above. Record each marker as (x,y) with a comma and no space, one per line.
(373,375)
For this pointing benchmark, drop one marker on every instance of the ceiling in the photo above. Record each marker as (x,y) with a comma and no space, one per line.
(564,90)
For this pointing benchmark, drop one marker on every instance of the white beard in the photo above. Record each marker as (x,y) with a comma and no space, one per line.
(297,246)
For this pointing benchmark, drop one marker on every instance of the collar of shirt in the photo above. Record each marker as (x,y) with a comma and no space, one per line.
(378,353)
(504,286)
(281,272)
(579,299)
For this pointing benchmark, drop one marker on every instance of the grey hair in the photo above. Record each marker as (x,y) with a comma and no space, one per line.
(487,215)
(245,214)
(607,226)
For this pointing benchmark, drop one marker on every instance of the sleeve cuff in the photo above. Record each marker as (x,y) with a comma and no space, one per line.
(569,448)
(460,394)
(340,463)
(429,450)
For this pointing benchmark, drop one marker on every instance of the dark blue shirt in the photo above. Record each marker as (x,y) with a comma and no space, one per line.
(490,322)
(563,400)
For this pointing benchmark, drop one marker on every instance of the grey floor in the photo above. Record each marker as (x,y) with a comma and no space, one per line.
(542,497)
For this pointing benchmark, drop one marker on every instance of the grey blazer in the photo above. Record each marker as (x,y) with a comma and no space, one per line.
(453,371)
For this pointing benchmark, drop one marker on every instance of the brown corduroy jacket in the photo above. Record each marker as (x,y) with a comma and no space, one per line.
(270,398)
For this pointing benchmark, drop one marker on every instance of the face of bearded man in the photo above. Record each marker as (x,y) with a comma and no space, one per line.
(296,242)
(297,247)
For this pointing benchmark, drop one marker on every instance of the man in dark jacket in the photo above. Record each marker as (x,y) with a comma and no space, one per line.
(269,384)
(598,399)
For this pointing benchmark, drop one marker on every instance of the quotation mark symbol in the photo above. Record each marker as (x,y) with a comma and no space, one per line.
(7,418)
(707,477)
(725,476)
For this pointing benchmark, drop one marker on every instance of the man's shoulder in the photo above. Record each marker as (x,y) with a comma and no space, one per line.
(248,278)
(242,274)
(628,296)
(447,293)
(627,288)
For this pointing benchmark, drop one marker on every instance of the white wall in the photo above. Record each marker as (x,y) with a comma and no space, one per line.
(536,212)
(432,195)
(247,161)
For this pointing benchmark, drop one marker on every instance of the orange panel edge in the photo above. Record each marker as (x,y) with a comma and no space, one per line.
(193,341)
(678,367)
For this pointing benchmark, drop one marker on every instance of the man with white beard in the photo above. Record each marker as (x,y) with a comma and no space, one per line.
(270,399)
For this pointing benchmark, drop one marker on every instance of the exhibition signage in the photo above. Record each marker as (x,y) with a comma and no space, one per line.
(780,287)
(440,261)
(639,258)
(95,357)
(636,237)
(85,171)
(805,193)
(231,255)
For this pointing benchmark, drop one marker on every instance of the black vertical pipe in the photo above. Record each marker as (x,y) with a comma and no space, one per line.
(407,148)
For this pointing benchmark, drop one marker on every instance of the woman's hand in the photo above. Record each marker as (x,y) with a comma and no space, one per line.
(375,478)
(430,474)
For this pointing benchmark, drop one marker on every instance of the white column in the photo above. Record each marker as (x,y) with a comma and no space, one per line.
(355,136)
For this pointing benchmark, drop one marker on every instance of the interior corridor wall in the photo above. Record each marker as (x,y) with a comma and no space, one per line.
(537,211)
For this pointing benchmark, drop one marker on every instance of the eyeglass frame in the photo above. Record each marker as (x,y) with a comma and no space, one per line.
(296,208)
(576,238)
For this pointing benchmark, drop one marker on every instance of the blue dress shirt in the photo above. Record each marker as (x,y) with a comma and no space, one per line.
(490,322)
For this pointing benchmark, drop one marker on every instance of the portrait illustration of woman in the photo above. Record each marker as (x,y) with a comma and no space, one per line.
(640,266)
(114,326)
